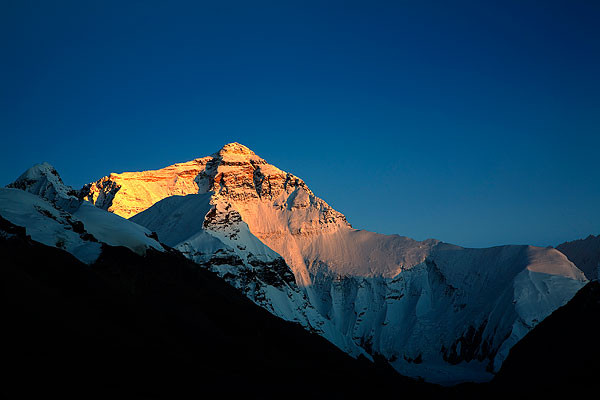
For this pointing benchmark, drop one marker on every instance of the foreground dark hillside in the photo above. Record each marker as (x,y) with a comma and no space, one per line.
(561,355)
(157,327)
(584,253)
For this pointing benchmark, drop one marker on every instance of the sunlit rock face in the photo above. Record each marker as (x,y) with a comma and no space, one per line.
(139,190)
(434,310)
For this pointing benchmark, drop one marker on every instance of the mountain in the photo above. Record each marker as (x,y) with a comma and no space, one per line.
(431,309)
(95,306)
(157,325)
(585,254)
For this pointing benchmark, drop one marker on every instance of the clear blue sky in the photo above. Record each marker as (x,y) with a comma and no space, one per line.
(477,123)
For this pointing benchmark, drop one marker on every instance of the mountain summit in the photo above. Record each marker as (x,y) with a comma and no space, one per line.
(235,148)
(431,309)
(43,180)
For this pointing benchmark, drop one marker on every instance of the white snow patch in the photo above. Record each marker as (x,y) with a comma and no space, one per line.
(115,230)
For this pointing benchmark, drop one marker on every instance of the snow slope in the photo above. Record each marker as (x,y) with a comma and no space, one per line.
(51,213)
(433,310)
(114,230)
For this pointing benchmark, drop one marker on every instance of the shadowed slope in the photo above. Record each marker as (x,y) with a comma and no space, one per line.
(561,354)
(585,253)
(155,327)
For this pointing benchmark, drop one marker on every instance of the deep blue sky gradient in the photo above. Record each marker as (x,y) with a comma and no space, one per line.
(477,123)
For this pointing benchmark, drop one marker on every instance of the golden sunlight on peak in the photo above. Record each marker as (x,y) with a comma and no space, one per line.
(235,148)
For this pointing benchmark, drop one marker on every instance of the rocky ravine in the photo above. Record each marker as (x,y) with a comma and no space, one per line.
(431,309)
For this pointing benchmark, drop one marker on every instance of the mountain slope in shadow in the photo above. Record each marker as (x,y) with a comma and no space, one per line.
(157,326)
(561,354)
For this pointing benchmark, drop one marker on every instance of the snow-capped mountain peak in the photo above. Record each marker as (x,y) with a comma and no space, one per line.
(43,180)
